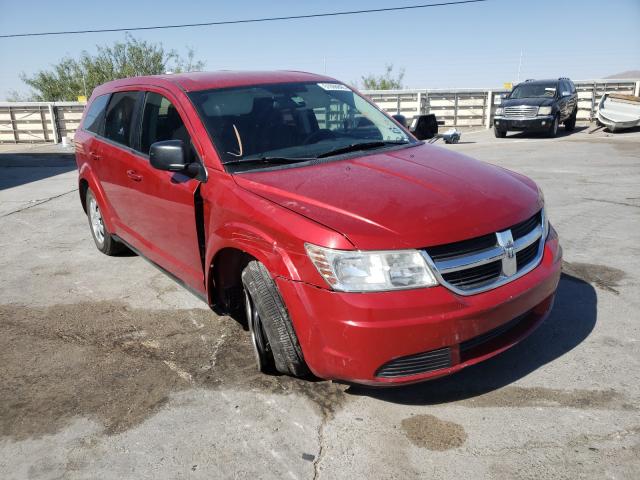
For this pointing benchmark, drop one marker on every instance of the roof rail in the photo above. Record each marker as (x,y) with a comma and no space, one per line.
(564,78)
(530,80)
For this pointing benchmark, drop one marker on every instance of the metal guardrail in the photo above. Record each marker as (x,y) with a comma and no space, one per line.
(475,107)
(38,122)
(42,122)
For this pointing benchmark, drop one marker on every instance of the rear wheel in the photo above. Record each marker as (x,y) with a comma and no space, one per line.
(499,133)
(553,128)
(101,236)
(570,123)
(272,334)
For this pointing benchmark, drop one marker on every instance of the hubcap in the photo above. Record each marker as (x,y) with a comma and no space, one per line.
(257,335)
(96,220)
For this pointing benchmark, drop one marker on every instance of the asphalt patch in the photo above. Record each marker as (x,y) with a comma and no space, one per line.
(432,433)
(607,278)
(117,365)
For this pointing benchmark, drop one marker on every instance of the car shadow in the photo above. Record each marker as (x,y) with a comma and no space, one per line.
(622,132)
(561,133)
(571,321)
(22,168)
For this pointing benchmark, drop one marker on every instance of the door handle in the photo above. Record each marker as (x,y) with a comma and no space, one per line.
(133,175)
(95,156)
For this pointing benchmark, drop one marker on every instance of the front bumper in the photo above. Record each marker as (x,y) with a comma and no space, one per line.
(349,336)
(542,122)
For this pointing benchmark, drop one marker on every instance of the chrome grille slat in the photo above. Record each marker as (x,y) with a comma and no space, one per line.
(461,262)
(516,251)
(521,111)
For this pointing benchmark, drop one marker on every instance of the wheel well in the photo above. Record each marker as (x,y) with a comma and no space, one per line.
(82,189)
(225,282)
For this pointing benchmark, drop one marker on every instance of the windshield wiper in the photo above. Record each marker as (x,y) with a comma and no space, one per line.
(268,160)
(354,147)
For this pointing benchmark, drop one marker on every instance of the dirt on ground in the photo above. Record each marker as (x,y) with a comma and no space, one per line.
(428,431)
(602,276)
(119,365)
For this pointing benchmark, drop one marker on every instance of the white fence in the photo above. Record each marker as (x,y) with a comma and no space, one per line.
(41,122)
(475,107)
(38,122)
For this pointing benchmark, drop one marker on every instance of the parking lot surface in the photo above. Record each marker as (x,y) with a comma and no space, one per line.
(108,369)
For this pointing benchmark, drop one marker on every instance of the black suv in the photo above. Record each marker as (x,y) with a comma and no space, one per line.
(538,105)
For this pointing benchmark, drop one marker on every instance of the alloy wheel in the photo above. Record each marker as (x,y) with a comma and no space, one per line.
(96,220)
(258,340)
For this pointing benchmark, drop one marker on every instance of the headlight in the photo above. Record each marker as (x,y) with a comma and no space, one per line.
(545,219)
(544,110)
(357,271)
(499,110)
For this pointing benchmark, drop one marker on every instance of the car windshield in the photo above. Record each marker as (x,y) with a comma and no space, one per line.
(534,90)
(293,121)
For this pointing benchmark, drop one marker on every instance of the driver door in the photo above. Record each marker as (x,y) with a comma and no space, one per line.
(162,205)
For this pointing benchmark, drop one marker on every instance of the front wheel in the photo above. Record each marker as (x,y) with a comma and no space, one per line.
(101,236)
(272,334)
(499,133)
(570,123)
(553,128)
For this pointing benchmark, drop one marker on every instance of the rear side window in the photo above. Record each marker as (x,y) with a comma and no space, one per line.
(118,120)
(161,121)
(94,120)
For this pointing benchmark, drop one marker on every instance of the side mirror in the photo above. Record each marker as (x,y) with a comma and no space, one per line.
(401,119)
(424,127)
(168,155)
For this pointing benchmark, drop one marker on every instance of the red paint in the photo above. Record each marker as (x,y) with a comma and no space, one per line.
(410,198)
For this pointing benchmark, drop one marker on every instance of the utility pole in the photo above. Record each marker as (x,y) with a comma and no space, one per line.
(324,61)
(519,66)
(84,84)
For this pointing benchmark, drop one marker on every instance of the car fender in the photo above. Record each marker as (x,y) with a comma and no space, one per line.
(86,173)
(255,242)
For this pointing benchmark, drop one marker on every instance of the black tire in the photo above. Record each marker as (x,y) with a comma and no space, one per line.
(282,342)
(553,128)
(570,123)
(104,241)
(499,133)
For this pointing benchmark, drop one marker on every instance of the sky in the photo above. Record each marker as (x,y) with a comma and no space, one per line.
(462,46)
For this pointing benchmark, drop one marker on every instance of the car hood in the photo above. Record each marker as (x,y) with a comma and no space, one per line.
(537,102)
(409,198)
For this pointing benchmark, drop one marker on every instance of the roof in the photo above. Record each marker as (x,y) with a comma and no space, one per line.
(545,80)
(194,81)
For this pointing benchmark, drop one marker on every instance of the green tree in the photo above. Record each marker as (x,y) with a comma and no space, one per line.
(386,81)
(73,77)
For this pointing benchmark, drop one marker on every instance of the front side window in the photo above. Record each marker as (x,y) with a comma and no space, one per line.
(118,121)
(293,120)
(94,120)
(161,121)
(534,90)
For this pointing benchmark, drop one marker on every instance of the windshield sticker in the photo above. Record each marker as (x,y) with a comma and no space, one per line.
(334,87)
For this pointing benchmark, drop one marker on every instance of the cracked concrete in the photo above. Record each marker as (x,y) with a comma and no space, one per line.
(111,371)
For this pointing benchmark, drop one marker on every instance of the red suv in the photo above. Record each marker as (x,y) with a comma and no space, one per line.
(356,251)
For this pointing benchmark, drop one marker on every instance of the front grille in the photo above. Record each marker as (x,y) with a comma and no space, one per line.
(450,250)
(519,230)
(479,264)
(491,334)
(521,111)
(526,255)
(474,276)
(416,364)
